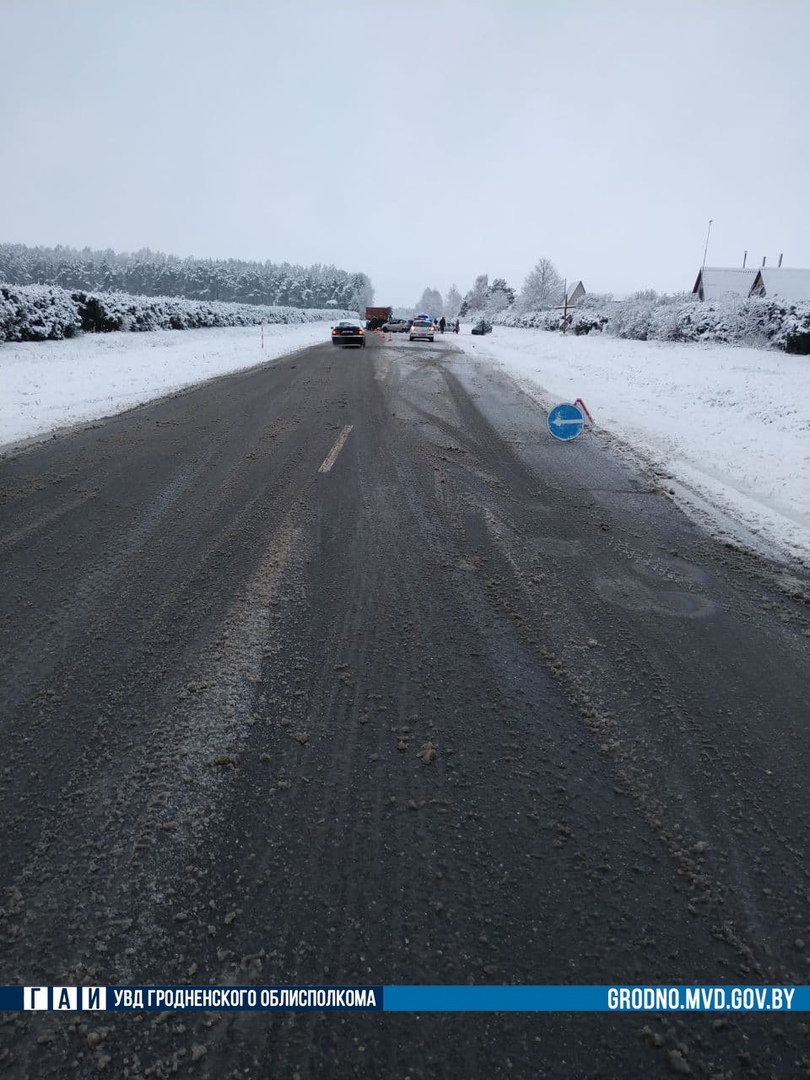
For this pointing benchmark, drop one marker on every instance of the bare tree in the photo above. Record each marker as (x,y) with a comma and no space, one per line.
(542,289)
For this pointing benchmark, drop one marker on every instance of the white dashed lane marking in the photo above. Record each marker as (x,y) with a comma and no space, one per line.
(331,457)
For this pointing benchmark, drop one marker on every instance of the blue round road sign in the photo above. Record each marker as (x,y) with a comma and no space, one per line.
(566,421)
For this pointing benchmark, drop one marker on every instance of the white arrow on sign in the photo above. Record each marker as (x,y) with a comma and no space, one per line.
(571,420)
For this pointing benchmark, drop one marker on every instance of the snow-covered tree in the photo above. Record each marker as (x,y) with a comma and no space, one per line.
(363,292)
(542,289)
(452,302)
(499,285)
(497,302)
(431,303)
(151,273)
(476,298)
(501,296)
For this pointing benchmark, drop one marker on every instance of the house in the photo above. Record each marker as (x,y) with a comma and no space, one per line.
(782,282)
(572,295)
(715,282)
(575,294)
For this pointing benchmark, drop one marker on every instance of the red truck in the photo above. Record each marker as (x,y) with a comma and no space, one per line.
(376,316)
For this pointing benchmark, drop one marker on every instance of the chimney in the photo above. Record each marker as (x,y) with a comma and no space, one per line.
(745,256)
(780,260)
(763,260)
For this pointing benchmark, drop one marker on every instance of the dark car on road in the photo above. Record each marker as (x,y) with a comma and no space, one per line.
(347,333)
(482,327)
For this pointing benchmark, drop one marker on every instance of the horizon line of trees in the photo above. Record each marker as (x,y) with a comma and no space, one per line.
(542,289)
(153,273)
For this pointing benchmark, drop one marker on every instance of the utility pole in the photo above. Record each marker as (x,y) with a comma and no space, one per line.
(705,250)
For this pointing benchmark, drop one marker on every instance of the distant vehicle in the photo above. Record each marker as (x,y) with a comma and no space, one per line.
(396,326)
(376,316)
(422,327)
(483,326)
(348,333)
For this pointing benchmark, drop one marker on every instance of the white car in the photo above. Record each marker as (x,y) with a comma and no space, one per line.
(422,327)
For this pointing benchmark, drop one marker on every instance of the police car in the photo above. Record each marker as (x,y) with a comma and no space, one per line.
(422,327)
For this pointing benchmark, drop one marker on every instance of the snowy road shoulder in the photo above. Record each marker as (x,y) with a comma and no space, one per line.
(50,385)
(730,426)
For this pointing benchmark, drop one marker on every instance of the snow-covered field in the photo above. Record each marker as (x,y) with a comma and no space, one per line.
(729,427)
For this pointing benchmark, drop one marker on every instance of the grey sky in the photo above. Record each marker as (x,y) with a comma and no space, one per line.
(422,143)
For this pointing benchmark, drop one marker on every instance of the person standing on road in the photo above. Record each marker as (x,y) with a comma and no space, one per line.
(442,324)
(455,327)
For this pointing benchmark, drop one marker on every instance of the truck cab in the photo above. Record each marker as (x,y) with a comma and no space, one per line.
(377,317)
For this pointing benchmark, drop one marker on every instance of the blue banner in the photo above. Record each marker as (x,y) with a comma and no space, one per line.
(597,998)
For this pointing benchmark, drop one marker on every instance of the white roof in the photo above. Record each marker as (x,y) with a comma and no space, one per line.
(721,281)
(785,282)
(573,288)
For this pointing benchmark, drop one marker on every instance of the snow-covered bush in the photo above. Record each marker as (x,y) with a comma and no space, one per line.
(794,334)
(631,319)
(8,315)
(39,312)
(531,320)
(735,321)
(587,321)
(36,313)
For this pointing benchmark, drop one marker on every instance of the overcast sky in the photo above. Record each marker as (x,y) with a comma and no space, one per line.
(422,143)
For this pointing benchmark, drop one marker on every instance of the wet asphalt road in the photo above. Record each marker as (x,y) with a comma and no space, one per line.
(471,706)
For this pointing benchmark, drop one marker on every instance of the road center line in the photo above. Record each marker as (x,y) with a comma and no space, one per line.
(331,457)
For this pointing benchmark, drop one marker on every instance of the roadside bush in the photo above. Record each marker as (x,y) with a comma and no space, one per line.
(755,321)
(40,312)
(36,313)
(794,334)
(587,322)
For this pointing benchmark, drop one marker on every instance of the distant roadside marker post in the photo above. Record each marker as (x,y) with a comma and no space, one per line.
(566,421)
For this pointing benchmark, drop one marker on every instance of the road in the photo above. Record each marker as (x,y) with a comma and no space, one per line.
(340,670)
